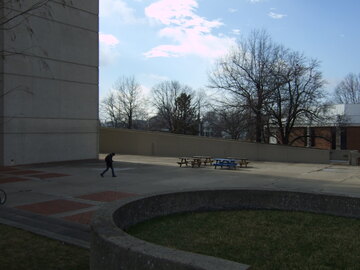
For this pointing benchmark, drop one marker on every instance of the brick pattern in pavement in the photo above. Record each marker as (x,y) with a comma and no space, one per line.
(5,172)
(23,172)
(12,179)
(106,196)
(53,207)
(7,169)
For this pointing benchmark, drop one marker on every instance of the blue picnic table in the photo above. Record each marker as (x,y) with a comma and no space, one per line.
(225,162)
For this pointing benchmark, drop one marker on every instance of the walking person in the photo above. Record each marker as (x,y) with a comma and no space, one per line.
(109,162)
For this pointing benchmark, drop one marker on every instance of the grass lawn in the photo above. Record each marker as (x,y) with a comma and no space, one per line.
(23,250)
(263,239)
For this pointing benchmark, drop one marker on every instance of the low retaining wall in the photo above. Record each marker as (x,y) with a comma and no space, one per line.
(112,248)
(340,155)
(135,142)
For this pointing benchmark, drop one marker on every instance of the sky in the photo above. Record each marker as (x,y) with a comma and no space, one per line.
(157,40)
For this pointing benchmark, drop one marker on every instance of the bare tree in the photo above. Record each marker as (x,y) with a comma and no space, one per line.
(125,103)
(300,96)
(247,74)
(130,99)
(233,120)
(164,99)
(230,116)
(211,124)
(110,110)
(348,90)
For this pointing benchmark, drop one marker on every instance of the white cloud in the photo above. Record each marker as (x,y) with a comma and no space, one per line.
(236,31)
(232,10)
(276,16)
(190,33)
(108,49)
(108,39)
(145,91)
(119,8)
(157,78)
(107,56)
(152,78)
(256,1)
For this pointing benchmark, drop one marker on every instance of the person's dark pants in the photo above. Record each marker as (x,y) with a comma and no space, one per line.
(108,166)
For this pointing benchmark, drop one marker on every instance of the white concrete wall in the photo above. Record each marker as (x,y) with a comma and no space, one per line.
(49,105)
(351,111)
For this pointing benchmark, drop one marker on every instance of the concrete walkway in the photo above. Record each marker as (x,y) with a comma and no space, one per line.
(58,200)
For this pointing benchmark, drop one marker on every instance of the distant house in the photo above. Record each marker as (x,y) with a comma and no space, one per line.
(339,130)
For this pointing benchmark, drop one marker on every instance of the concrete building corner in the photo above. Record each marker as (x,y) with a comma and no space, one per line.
(49,82)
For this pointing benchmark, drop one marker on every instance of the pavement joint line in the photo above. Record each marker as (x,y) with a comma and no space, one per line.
(74,212)
(76,198)
(346,178)
(321,169)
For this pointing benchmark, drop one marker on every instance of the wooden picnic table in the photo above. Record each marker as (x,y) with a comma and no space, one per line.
(196,161)
(183,160)
(193,161)
(243,162)
(204,159)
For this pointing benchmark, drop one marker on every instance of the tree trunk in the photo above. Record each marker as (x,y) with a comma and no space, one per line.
(258,127)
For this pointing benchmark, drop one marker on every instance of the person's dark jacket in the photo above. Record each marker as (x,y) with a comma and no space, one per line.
(108,159)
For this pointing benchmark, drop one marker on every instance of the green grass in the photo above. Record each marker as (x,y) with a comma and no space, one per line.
(23,250)
(263,239)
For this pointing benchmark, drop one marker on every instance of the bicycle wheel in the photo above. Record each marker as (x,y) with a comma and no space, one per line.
(2,196)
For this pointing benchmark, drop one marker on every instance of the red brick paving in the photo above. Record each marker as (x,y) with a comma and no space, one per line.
(83,218)
(12,179)
(106,196)
(7,169)
(54,207)
(48,175)
(25,172)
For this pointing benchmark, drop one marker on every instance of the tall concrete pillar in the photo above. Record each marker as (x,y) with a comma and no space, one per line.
(308,136)
(49,82)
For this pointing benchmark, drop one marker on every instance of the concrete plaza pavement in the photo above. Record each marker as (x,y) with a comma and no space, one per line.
(58,199)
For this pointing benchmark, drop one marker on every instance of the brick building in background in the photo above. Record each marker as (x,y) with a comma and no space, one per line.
(340,131)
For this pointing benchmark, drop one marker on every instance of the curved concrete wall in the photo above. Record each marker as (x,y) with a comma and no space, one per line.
(112,248)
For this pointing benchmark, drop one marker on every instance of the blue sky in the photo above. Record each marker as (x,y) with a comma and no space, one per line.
(180,39)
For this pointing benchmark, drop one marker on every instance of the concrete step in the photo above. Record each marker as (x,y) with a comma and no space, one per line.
(339,162)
